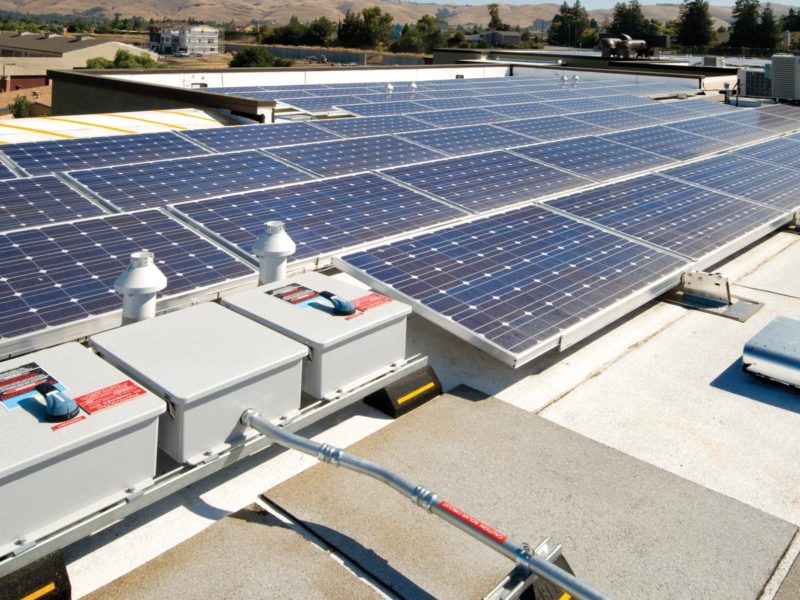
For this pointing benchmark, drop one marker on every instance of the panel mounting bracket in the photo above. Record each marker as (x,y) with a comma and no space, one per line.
(518,583)
(711,293)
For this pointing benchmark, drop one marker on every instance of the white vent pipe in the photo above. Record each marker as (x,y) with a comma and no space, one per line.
(138,285)
(273,247)
(389,88)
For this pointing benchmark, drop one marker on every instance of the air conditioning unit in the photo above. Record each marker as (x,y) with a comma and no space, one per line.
(786,77)
(713,61)
(754,82)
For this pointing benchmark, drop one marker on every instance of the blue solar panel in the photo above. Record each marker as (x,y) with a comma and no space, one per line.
(393,97)
(457,141)
(322,217)
(783,152)
(375,109)
(246,137)
(506,98)
(560,94)
(526,111)
(319,104)
(34,201)
(766,184)
(756,118)
(626,100)
(6,173)
(449,104)
(666,113)
(149,185)
(462,116)
(43,158)
(669,142)
(594,157)
(616,120)
(61,274)
(515,281)
(714,127)
(679,217)
(351,156)
(709,107)
(581,105)
(552,128)
(486,181)
(438,93)
(363,126)
(787,111)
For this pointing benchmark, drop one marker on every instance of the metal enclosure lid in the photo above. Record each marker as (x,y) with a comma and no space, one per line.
(781,337)
(27,439)
(195,352)
(316,328)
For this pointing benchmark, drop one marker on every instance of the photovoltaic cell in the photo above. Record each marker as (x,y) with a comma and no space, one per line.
(393,97)
(782,152)
(6,173)
(464,116)
(581,105)
(615,120)
(708,107)
(766,184)
(594,157)
(526,111)
(669,142)
(149,185)
(486,181)
(519,97)
(756,118)
(458,141)
(560,94)
(35,201)
(322,217)
(666,113)
(42,158)
(364,126)
(351,156)
(719,129)
(375,109)
(246,137)
(786,111)
(515,280)
(318,104)
(552,128)
(679,217)
(449,104)
(625,100)
(65,273)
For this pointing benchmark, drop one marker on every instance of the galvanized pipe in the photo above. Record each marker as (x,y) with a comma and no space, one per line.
(520,554)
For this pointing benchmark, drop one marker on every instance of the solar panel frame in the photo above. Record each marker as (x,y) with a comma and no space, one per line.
(552,128)
(66,273)
(720,129)
(375,109)
(251,137)
(323,216)
(493,281)
(367,126)
(158,183)
(615,120)
(525,111)
(458,141)
(767,121)
(668,142)
(460,116)
(37,201)
(782,152)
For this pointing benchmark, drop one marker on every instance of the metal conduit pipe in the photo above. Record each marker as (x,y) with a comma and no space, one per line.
(520,554)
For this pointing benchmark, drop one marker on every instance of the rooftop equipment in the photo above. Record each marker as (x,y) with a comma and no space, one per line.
(75,434)
(139,284)
(774,352)
(785,77)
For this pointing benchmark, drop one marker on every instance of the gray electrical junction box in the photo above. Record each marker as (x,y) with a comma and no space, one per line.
(52,474)
(342,349)
(210,365)
(774,352)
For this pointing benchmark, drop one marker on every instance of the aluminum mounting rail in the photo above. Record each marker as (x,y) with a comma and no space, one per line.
(521,554)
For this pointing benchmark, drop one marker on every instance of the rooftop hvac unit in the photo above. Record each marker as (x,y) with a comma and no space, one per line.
(754,82)
(713,61)
(786,77)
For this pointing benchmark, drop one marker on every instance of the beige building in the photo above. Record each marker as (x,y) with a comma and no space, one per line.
(25,57)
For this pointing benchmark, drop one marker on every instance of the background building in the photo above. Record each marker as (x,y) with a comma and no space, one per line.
(182,39)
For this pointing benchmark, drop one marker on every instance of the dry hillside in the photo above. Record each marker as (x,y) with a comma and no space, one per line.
(243,11)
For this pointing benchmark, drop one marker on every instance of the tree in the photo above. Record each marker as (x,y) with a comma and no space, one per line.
(20,107)
(770,36)
(370,29)
(423,36)
(291,34)
(695,26)
(320,32)
(124,59)
(255,56)
(569,25)
(457,40)
(495,23)
(744,31)
(629,19)
(791,21)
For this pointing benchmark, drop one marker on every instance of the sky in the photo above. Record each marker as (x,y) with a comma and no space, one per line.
(592,4)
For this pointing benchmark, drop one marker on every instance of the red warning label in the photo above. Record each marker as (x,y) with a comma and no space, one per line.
(473,522)
(70,422)
(110,396)
(365,303)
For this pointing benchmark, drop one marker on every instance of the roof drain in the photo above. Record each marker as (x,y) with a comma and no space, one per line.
(522,554)
(273,247)
(138,285)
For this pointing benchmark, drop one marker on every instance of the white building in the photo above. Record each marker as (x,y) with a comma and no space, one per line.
(183,39)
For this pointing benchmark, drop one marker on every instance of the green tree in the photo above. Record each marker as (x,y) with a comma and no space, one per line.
(629,19)
(370,29)
(320,32)
(695,27)
(124,59)
(744,31)
(770,35)
(20,107)
(457,40)
(569,25)
(791,21)
(495,22)
(255,56)
(423,36)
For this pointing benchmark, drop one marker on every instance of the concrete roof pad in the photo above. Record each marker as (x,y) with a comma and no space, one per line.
(628,528)
(249,554)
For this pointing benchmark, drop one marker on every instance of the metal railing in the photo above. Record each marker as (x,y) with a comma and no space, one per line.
(521,554)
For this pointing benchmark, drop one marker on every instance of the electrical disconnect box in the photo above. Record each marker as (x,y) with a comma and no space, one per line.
(58,467)
(210,365)
(343,348)
(774,352)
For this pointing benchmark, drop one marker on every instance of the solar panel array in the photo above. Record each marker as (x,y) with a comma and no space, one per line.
(511,199)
